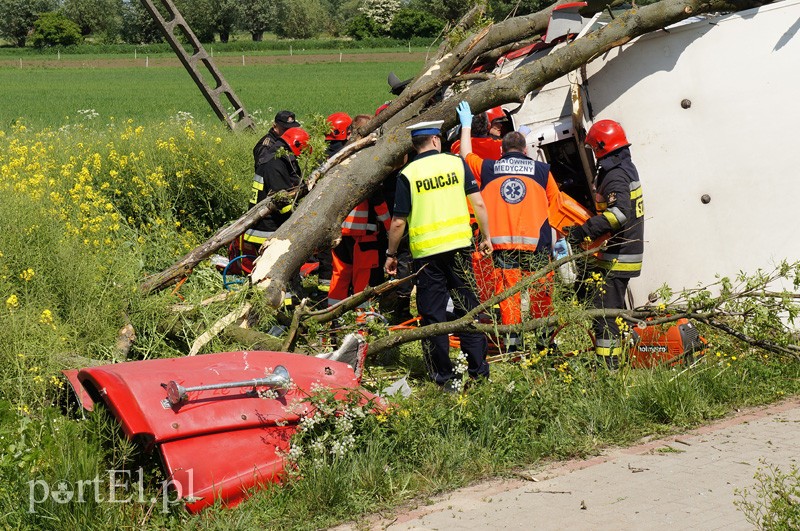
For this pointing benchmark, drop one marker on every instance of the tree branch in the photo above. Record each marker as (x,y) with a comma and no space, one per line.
(222,237)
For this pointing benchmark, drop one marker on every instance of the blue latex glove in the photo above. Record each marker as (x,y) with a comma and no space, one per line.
(464,114)
(560,248)
(524,129)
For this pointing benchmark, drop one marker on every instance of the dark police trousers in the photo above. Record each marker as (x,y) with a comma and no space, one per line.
(443,274)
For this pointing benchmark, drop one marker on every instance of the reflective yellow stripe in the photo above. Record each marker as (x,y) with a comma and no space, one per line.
(434,245)
(635,194)
(612,219)
(619,266)
(438,225)
(605,351)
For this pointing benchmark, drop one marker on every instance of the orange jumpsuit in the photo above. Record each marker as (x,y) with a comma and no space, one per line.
(355,259)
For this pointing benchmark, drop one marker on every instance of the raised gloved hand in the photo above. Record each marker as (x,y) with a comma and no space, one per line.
(464,114)
(524,130)
(560,249)
(575,234)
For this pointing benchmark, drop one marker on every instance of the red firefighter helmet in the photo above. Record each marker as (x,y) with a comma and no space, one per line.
(339,122)
(297,139)
(495,113)
(606,136)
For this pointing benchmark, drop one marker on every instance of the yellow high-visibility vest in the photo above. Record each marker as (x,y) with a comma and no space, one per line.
(439,219)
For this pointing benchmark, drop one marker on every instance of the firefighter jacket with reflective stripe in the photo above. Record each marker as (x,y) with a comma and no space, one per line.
(364,219)
(265,148)
(439,219)
(620,207)
(272,174)
(517,191)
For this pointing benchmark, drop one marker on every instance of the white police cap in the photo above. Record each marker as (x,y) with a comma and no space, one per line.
(433,127)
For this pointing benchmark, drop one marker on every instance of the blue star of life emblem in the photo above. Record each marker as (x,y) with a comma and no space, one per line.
(512,190)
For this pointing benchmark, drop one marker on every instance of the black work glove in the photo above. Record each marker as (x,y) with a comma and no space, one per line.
(575,235)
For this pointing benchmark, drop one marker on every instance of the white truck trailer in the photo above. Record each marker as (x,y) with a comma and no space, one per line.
(708,105)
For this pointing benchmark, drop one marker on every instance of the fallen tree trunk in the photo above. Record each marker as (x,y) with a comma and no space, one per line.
(315,221)
(221,238)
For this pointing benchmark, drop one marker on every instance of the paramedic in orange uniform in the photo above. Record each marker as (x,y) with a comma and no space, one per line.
(517,191)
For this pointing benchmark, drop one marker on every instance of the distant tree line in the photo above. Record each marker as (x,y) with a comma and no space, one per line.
(44,23)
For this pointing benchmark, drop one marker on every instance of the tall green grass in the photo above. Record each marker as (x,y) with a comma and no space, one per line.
(43,97)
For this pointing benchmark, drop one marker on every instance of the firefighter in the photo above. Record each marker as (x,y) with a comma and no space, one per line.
(499,123)
(620,207)
(246,246)
(339,132)
(270,142)
(431,200)
(339,127)
(518,192)
(356,260)
(357,257)
(274,173)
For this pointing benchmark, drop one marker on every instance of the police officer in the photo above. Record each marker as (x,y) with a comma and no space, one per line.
(620,207)
(518,192)
(431,200)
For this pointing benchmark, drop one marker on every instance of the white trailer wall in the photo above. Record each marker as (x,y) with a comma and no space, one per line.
(737,143)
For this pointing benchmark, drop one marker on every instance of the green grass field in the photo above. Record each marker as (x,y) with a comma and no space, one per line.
(52,96)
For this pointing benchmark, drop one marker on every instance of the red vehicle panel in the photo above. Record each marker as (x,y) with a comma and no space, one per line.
(216,444)
(134,391)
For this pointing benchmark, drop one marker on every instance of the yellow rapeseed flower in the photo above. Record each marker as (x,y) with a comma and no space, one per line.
(46,318)
(12,302)
(27,275)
